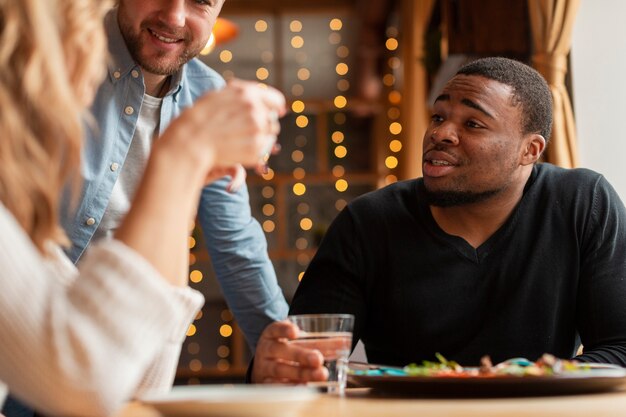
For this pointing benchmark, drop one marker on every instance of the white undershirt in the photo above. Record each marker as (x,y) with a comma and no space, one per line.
(146,131)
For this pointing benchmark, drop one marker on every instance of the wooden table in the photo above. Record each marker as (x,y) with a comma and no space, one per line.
(360,403)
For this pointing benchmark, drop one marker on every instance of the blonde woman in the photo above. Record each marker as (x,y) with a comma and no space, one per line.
(82,341)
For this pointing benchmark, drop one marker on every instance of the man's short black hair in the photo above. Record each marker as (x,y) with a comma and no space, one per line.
(530,90)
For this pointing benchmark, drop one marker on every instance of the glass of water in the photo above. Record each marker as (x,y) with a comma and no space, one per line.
(331,334)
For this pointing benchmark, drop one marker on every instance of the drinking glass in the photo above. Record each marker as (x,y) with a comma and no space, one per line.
(331,334)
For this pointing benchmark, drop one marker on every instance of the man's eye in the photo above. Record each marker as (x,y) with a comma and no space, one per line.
(206,2)
(436,118)
(473,124)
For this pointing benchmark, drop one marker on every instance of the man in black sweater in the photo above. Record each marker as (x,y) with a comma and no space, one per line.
(490,252)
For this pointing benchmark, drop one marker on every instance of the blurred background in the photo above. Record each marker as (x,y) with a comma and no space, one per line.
(358,76)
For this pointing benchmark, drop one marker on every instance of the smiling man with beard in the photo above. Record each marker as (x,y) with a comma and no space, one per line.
(153,76)
(491,252)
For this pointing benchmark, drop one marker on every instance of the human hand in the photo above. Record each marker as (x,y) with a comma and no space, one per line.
(276,360)
(237,173)
(235,125)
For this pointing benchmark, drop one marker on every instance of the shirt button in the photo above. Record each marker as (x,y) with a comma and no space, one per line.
(114,166)
(90,221)
(134,73)
(117,74)
(129,110)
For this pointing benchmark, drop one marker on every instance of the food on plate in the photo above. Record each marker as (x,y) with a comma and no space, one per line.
(546,365)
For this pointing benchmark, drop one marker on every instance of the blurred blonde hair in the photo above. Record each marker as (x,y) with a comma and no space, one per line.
(52,57)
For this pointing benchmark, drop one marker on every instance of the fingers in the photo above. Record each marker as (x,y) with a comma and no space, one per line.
(277,359)
(238,175)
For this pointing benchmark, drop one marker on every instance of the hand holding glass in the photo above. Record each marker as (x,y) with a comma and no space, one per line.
(331,334)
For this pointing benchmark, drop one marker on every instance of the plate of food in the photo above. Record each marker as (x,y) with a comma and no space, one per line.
(232,400)
(514,377)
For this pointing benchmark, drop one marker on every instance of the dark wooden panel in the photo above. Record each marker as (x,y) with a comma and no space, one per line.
(488,27)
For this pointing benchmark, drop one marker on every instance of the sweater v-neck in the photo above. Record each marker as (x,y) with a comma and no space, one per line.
(461,246)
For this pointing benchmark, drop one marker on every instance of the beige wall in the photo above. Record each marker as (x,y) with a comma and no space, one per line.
(599,84)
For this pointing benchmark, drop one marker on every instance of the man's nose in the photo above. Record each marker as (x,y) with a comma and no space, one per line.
(173,13)
(446,132)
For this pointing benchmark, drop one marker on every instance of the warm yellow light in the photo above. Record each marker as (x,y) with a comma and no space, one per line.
(195,365)
(303,208)
(295,26)
(336,24)
(395,128)
(304,74)
(195,276)
(337,136)
(391,162)
(338,171)
(198,315)
(299,173)
(389,80)
(390,179)
(262,73)
(192,242)
(340,102)
(297,156)
(341,151)
(391,44)
(395,145)
(226,330)
(395,97)
(302,121)
(340,204)
(269,175)
(300,276)
(297,106)
(226,56)
(267,192)
(306,223)
(343,51)
(297,42)
(269,226)
(192,259)
(269,209)
(299,188)
(341,185)
(260,26)
(191,330)
(341,68)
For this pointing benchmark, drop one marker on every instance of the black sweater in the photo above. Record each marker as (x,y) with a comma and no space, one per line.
(554,274)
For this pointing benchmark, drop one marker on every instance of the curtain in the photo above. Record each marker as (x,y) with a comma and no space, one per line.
(416,15)
(552,22)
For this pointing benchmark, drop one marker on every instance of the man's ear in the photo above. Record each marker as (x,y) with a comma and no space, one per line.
(533,148)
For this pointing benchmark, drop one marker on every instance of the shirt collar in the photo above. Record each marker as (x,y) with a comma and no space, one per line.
(121,62)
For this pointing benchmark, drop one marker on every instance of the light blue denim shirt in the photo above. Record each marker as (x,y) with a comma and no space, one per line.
(234,238)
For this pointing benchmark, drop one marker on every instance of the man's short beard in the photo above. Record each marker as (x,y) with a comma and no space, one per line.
(456,198)
(154,66)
